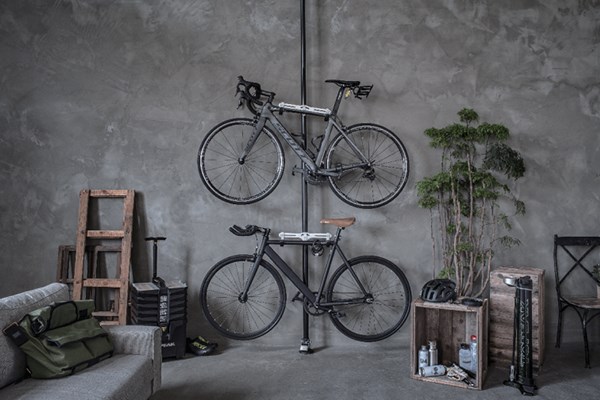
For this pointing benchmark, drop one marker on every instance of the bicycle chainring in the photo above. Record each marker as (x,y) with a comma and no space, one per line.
(310,309)
(313,179)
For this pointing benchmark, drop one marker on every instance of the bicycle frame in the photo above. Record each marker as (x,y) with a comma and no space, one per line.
(313,164)
(264,248)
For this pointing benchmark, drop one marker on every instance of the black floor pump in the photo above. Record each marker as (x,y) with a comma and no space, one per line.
(159,281)
(521,369)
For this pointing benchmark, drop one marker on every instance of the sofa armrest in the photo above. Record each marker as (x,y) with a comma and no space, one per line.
(142,340)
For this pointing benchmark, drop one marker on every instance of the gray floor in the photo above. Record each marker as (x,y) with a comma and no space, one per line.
(245,370)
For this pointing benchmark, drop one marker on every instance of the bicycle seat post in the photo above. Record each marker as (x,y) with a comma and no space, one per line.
(338,100)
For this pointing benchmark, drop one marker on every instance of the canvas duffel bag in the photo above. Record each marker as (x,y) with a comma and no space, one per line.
(61,339)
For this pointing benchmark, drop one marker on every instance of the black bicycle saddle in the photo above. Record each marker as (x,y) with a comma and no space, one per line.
(341,83)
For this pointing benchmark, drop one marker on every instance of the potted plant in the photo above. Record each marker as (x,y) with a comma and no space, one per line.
(468,198)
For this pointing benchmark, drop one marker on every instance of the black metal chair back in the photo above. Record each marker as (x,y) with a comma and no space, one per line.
(576,283)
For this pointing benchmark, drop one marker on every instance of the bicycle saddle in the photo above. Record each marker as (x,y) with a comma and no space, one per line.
(340,83)
(339,222)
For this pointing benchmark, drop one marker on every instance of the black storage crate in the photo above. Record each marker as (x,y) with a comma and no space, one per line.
(162,304)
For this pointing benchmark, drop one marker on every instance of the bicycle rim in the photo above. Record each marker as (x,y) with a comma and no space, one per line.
(240,182)
(238,318)
(390,305)
(376,184)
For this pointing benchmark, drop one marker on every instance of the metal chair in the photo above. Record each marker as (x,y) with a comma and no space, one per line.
(571,286)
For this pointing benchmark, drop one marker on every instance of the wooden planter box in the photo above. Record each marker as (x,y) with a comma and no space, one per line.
(449,325)
(502,304)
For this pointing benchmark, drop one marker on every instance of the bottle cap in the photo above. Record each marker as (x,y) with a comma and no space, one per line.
(473,338)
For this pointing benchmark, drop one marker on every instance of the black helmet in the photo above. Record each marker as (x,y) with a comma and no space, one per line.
(439,291)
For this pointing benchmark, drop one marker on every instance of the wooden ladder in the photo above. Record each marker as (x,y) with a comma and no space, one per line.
(120,284)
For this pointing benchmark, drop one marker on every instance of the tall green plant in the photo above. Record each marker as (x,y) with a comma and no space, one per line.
(467,198)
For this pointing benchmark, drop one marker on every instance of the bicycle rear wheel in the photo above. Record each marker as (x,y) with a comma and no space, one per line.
(235,181)
(384,310)
(231,314)
(379,182)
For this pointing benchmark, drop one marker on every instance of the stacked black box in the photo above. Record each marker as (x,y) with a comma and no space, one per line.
(162,304)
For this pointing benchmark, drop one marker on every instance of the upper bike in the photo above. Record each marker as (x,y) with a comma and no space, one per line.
(243,296)
(241,160)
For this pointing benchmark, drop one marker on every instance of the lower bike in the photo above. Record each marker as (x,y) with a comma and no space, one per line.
(243,296)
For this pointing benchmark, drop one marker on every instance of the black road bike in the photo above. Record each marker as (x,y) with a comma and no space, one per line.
(243,296)
(241,160)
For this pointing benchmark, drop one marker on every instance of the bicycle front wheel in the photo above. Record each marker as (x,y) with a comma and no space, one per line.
(381,180)
(237,316)
(232,179)
(382,311)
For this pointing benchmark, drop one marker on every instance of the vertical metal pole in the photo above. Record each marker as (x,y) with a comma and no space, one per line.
(305,343)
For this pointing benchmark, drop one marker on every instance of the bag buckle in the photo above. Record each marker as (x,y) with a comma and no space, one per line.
(16,333)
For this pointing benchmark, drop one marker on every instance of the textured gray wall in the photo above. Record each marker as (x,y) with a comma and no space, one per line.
(119,94)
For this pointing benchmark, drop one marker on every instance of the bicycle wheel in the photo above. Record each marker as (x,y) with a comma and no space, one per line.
(235,181)
(237,317)
(388,301)
(376,184)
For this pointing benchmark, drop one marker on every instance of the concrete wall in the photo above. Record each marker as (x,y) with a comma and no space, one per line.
(119,94)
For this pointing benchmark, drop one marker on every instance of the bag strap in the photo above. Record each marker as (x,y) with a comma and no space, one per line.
(16,333)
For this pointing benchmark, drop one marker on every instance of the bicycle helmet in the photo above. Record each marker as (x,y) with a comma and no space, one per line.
(439,291)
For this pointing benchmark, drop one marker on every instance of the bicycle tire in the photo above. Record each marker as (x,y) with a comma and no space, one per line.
(240,182)
(388,172)
(385,315)
(230,315)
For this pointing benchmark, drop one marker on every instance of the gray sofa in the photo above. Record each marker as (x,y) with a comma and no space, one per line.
(133,372)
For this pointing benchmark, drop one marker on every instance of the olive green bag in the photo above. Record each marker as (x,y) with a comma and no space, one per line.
(61,339)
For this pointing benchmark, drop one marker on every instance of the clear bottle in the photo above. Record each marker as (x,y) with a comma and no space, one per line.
(474,354)
(423,357)
(464,356)
(433,353)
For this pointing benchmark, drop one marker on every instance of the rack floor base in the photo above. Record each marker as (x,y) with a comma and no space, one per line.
(256,370)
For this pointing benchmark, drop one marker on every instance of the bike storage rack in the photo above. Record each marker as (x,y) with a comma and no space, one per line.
(305,341)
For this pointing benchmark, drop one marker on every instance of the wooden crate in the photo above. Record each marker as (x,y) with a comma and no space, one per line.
(449,325)
(502,303)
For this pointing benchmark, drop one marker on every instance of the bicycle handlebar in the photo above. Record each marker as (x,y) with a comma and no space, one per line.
(249,230)
(251,93)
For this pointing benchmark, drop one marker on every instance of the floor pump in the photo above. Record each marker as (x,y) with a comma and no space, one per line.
(521,369)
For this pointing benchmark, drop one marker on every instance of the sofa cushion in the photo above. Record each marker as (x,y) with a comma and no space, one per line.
(12,309)
(122,377)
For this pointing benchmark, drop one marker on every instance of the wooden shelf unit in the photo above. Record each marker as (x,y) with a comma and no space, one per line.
(449,325)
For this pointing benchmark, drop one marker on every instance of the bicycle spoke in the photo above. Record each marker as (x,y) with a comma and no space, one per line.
(233,314)
(382,311)
(371,185)
(237,180)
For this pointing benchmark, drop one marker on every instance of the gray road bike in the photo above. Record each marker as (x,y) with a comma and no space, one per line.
(241,160)
(243,296)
